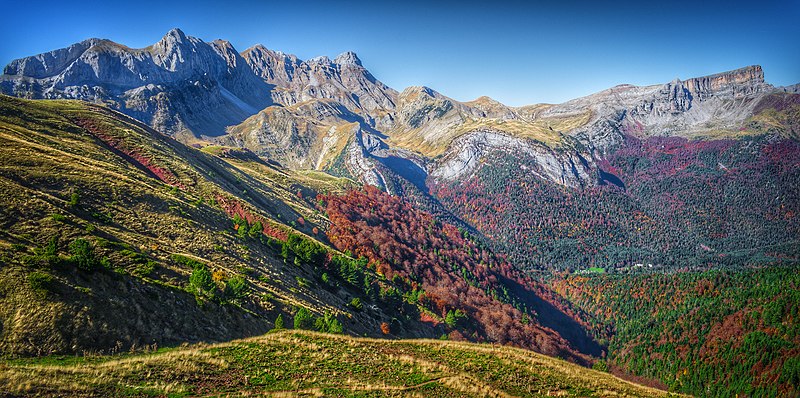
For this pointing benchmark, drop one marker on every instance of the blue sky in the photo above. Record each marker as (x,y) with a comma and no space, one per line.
(516,52)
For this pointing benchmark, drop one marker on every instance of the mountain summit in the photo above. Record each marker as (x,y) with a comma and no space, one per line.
(189,88)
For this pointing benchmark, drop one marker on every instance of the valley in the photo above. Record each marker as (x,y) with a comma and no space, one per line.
(167,212)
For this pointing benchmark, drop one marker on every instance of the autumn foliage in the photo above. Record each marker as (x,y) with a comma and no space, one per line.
(443,269)
(666,201)
(715,333)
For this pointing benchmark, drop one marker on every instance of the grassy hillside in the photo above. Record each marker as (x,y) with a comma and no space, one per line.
(292,363)
(115,236)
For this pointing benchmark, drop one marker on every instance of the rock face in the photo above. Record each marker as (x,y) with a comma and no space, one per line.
(178,85)
(683,108)
(320,112)
(344,79)
(565,167)
(301,136)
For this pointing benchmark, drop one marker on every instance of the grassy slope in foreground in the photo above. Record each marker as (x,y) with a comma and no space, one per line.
(294,363)
(149,210)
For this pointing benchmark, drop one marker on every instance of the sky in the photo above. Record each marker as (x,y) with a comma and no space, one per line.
(516,52)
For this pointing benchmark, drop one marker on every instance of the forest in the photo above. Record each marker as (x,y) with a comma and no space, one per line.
(681,205)
(452,278)
(711,333)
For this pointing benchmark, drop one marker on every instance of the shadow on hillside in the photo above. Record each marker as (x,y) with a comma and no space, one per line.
(553,318)
(408,170)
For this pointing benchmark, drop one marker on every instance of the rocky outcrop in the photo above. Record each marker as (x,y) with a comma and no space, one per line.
(682,107)
(299,136)
(566,167)
(180,84)
(737,82)
(344,79)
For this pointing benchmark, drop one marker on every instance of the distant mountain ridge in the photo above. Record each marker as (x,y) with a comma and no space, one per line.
(334,114)
(191,78)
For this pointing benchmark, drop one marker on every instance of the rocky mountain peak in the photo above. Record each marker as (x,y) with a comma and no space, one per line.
(739,81)
(416,91)
(50,63)
(347,58)
(173,49)
(322,59)
(174,35)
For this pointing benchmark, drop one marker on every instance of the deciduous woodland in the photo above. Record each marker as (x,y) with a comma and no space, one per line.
(452,278)
(664,202)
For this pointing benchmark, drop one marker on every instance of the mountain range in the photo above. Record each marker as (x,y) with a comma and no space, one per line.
(318,113)
(189,192)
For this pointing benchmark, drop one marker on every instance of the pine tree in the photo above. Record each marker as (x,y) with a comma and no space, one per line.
(278,322)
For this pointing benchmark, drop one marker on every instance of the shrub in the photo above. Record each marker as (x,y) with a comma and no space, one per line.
(236,287)
(201,282)
(104,218)
(306,249)
(145,269)
(328,324)
(454,317)
(83,256)
(356,304)
(601,366)
(51,249)
(192,263)
(278,322)
(40,281)
(59,217)
(74,199)
(385,329)
(256,229)
(302,282)
(242,231)
(303,319)
(218,275)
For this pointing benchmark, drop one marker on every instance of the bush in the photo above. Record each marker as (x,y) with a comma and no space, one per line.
(145,269)
(74,199)
(256,229)
(236,287)
(302,282)
(201,282)
(278,322)
(40,281)
(192,263)
(356,304)
(328,324)
(83,256)
(59,217)
(601,366)
(306,249)
(51,249)
(303,319)
(454,317)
